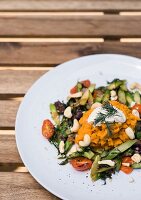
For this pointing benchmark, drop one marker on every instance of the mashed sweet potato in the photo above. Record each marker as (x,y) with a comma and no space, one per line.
(99,134)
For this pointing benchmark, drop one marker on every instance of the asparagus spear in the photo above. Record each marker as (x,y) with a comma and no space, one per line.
(118,164)
(137,97)
(68,146)
(91,88)
(79,86)
(120,149)
(88,154)
(106,96)
(115,84)
(121,96)
(136,166)
(103,169)
(90,99)
(84,98)
(54,114)
(124,86)
(129,98)
(94,169)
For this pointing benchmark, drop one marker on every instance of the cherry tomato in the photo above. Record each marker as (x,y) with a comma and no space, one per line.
(126,170)
(47,129)
(137,107)
(74,90)
(86,83)
(97,93)
(81,163)
(127,159)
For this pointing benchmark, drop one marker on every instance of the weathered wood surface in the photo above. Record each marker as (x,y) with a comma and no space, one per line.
(70,5)
(70,26)
(8,111)
(52,53)
(43,54)
(8,149)
(15,186)
(18,82)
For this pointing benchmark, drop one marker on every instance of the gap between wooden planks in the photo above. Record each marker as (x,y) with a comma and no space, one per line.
(33,13)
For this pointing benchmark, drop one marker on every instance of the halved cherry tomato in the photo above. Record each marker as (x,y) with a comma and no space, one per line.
(137,107)
(81,163)
(126,170)
(127,159)
(74,90)
(86,83)
(97,93)
(47,129)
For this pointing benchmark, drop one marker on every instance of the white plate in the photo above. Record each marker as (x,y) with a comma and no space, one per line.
(40,157)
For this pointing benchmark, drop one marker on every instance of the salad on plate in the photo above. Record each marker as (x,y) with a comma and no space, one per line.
(98,128)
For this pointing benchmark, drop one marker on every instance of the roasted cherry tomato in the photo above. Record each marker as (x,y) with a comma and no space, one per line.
(47,129)
(86,83)
(97,93)
(137,107)
(126,170)
(81,163)
(127,159)
(74,90)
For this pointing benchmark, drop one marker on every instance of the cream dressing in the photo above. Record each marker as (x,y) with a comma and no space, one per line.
(117,117)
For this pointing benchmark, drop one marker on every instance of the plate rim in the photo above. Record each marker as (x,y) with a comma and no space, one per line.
(30,89)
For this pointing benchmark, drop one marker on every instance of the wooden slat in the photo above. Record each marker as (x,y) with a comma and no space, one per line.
(70,26)
(8,150)
(8,110)
(70,5)
(18,82)
(48,54)
(22,186)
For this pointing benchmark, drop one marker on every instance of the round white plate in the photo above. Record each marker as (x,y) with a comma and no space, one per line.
(40,157)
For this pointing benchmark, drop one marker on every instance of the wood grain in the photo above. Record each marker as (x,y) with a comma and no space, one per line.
(8,111)
(22,186)
(70,5)
(8,150)
(52,53)
(70,26)
(18,82)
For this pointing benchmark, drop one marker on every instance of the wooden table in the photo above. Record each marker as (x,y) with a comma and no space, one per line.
(35,36)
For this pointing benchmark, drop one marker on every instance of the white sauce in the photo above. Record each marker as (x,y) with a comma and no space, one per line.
(117,117)
(106,162)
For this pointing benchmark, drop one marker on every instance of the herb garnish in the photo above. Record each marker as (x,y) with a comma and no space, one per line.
(108,128)
(109,111)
